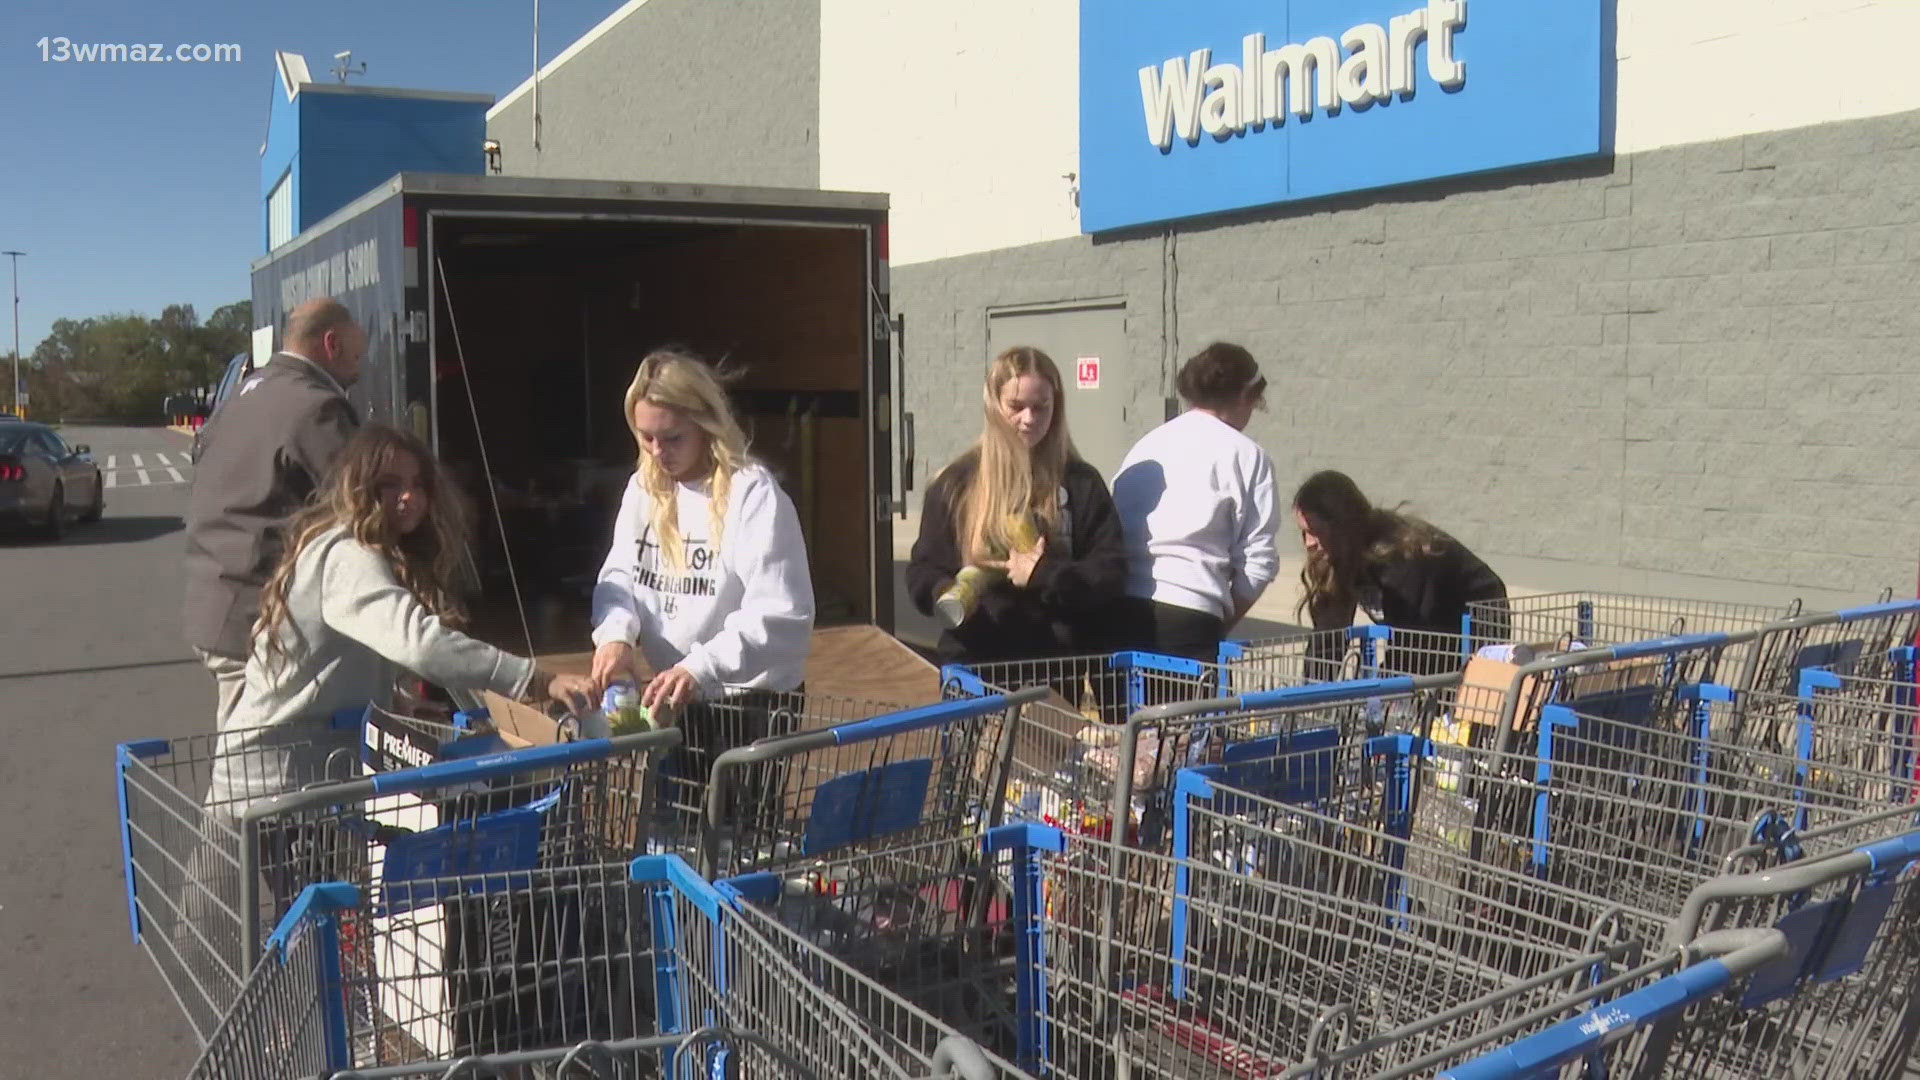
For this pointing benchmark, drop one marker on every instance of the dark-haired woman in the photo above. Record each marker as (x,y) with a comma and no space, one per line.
(1404,572)
(1197,501)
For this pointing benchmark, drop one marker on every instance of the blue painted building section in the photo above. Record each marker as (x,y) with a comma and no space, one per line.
(335,143)
(1532,93)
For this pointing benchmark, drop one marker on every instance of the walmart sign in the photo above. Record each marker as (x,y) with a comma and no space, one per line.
(1225,104)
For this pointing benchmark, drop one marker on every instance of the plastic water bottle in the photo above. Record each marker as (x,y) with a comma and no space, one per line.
(621,706)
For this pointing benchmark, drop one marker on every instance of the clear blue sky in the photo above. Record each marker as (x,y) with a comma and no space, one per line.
(132,186)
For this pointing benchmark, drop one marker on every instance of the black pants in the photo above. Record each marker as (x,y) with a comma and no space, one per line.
(1179,631)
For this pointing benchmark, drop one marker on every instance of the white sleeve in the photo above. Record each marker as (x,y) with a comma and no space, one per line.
(361,599)
(772,630)
(1256,550)
(617,613)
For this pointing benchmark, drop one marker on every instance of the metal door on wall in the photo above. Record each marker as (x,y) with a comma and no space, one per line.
(1088,342)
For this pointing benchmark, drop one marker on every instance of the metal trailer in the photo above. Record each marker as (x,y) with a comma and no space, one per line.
(1819,983)
(588,950)
(937,770)
(207,881)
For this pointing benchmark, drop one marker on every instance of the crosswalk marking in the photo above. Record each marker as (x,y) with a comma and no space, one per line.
(112,460)
(137,463)
(162,459)
(177,478)
(113,478)
(143,474)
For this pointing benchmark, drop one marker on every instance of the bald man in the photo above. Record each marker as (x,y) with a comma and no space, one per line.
(261,455)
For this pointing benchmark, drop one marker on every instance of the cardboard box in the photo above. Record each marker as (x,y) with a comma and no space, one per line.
(858,663)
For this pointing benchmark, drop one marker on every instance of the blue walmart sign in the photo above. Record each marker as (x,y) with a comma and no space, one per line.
(1195,109)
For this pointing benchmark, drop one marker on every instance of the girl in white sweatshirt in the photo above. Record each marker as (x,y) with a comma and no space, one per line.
(361,594)
(707,574)
(1197,500)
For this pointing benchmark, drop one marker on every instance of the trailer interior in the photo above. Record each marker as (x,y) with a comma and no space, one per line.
(539,327)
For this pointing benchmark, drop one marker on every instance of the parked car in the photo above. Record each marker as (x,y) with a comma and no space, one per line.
(44,482)
(237,371)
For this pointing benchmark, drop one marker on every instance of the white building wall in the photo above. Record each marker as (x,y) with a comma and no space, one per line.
(967,114)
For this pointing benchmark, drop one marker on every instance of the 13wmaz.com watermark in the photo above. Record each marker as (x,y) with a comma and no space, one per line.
(60,50)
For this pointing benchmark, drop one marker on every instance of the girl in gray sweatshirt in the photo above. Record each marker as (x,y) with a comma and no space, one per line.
(360,595)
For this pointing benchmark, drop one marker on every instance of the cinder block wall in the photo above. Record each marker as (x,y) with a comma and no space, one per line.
(1693,361)
(680,90)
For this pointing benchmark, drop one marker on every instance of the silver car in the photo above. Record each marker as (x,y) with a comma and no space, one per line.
(44,482)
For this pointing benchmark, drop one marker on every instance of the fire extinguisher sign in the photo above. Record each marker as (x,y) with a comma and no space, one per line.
(1086,372)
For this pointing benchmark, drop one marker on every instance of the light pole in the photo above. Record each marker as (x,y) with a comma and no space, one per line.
(14,256)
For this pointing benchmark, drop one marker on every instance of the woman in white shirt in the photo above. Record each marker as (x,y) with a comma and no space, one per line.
(1197,501)
(707,574)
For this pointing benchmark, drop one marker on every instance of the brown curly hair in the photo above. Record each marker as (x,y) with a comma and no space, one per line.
(428,561)
(1355,536)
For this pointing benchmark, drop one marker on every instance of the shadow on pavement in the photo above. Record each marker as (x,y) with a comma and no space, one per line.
(108,530)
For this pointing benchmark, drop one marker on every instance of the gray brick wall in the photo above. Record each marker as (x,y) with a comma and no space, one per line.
(646,100)
(1694,361)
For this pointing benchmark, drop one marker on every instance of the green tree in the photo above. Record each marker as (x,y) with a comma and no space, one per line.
(126,366)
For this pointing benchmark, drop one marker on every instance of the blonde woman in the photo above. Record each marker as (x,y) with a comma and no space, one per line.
(362,592)
(707,574)
(1022,506)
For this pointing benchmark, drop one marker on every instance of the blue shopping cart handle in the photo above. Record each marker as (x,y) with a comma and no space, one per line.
(1607,1024)
(1327,693)
(1662,646)
(946,712)
(490,766)
(1871,611)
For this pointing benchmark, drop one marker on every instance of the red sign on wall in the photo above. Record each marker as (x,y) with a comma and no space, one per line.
(1086,372)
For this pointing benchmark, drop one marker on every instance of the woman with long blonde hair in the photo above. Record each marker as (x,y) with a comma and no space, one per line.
(1020,550)
(708,573)
(364,590)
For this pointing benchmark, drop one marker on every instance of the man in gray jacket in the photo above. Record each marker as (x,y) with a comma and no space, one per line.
(261,456)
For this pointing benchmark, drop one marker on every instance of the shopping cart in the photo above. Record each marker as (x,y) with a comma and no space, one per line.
(560,972)
(938,770)
(1863,641)
(1365,651)
(1065,746)
(1819,983)
(206,881)
(1600,618)
(1147,965)
(737,718)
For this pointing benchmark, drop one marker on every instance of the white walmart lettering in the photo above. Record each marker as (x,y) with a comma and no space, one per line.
(1191,94)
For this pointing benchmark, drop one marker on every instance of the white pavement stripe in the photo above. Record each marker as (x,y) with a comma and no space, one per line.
(113,460)
(137,463)
(143,475)
(113,479)
(162,459)
(177,478)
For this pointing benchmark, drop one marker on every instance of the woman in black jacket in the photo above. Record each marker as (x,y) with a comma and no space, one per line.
(1402,571)
(1020,552)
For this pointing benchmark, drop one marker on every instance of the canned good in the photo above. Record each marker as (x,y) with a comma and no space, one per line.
(1022,533)
(957,603)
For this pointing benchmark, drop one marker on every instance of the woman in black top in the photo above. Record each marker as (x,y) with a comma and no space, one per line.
(1031,524)
(1405,573)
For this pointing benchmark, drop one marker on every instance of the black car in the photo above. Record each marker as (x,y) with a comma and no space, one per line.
(44,482)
